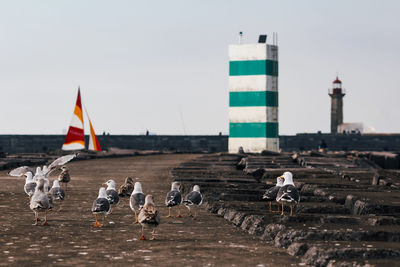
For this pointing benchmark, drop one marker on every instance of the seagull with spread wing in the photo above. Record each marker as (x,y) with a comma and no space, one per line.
(40,173)
(20,171)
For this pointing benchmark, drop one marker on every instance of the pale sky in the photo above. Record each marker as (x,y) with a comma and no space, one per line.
(163,65)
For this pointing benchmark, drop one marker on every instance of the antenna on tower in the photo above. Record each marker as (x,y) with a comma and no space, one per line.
(275,38)
(240,37)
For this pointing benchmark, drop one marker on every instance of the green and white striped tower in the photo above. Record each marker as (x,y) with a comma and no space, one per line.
(253,97)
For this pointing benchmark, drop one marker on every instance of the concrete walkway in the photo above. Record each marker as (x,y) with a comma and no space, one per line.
(71,238)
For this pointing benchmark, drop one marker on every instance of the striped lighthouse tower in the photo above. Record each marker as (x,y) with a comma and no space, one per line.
(253,97)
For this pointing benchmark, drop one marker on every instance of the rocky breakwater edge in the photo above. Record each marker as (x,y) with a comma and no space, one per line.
(348,215)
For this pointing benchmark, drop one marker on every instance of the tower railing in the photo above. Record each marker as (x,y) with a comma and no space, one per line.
(332,91)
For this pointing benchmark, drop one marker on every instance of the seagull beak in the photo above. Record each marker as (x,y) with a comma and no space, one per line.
(282,178)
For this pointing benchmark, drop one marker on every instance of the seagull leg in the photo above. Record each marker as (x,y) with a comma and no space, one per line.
(270,206)
(96,224)
(152,234)
(45,219)
(136,218)
(102,224)
(60,208)
(179,213)
(169,212)
(291,209)
(36,219)
(282,209)
(190,211)
(142,236)
(277,206)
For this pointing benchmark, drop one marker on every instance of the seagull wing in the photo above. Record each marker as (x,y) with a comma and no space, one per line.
(174,197)
(193,198)
(20,171)
(112,196)
(101,205)
(60,161)
(288,193)
(271,193)
(137,201)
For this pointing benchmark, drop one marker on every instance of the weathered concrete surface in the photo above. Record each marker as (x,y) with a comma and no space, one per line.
(342,219)
(71,238)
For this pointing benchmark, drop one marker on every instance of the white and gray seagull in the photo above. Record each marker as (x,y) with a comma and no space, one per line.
(272,192)
(174,198)
(288,192)
(101,206)
(40,202)
(57,193)
(30,184)
(112,194)
(137,200)
(193,199)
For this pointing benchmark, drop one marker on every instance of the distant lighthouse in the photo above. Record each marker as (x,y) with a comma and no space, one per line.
(336,94)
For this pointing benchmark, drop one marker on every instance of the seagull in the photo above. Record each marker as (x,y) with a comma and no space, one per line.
(270,194)
(30,184)
(288,192)
(57,193)
(43,174)
(149,217)
(194,198)
(126,188)
(137,199)
(45,169)
(101,206)
(40,202)
(64,177)
(112,194)
(174,198)
(38,174)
